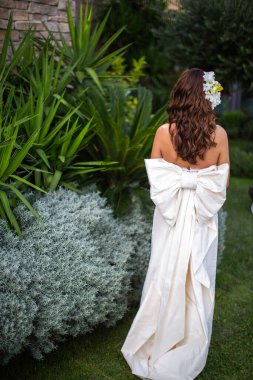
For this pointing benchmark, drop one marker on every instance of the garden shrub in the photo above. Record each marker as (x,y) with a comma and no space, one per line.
(69,274)
(241,162)
(230,55)
(247,132)
(233,122)
(246,145)
(144,42)
(80,268)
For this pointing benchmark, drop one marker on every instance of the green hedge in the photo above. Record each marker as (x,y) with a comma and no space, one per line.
(233,122)
(247,132)
(241,162)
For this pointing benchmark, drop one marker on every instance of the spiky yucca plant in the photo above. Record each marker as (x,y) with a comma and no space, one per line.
(123,134)
(41,133)
(13,148)
(87,51)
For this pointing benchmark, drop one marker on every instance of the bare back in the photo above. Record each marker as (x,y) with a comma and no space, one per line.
(163,148)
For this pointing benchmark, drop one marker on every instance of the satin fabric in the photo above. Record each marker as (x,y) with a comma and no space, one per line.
(170,335)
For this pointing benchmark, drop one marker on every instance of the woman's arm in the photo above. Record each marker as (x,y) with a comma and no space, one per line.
(224,150)
(156,150)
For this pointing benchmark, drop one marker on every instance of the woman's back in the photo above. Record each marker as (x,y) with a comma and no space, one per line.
(163,148)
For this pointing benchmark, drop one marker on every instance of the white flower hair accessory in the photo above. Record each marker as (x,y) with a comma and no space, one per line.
(212,88)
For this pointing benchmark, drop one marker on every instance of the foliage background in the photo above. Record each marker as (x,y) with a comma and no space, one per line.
(145,23)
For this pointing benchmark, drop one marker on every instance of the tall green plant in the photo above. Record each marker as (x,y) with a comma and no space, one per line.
(123,135)
(63,129)
(12,154)
(59,75)
(87,50)
(13,147)
(8,65)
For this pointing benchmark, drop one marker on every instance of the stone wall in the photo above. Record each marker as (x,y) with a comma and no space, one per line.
(33,13)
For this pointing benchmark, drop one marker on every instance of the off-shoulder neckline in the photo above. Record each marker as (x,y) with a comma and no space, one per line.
(184,167)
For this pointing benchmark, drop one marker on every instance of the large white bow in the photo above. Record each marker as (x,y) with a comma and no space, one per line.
(168,180)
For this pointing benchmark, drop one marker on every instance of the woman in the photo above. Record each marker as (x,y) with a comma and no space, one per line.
(188,174)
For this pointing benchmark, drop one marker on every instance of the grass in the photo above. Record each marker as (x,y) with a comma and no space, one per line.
(97,356)
(230,355)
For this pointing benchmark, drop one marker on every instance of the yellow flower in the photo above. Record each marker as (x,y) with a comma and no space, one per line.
(217,88)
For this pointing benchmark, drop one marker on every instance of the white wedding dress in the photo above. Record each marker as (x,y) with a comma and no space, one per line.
(170,334)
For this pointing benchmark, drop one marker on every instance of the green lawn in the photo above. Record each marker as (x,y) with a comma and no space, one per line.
(97,356)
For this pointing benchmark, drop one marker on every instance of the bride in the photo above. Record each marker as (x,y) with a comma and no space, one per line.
(188,174)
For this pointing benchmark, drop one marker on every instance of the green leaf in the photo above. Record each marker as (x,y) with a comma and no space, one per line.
(11,217)
(62,159)
(17,160)
(33,168)
(79,140)
(43,156)
(57,128)
(71,187)
(2,213)
(107,44)
(94,76)
(6,42)
(55,179)
(80,76)
(7,152)
(24,200)
(94,163)
(30,184)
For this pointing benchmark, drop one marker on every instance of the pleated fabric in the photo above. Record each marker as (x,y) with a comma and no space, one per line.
(170,335)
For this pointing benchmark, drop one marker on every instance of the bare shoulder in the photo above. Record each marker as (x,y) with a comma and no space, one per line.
(159,141)
(223,145)
(162,131)
(221,133)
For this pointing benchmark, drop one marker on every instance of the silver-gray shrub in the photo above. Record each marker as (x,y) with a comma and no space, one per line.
(68,274)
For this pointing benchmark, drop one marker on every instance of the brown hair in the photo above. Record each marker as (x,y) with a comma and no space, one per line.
(193,116)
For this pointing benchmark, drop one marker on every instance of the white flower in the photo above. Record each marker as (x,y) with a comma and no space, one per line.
(212,88)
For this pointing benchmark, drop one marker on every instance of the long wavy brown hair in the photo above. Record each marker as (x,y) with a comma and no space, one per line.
(192,115)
